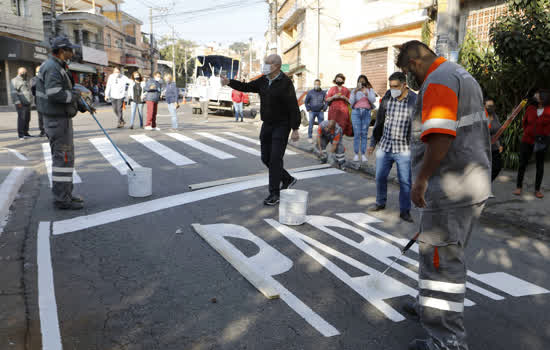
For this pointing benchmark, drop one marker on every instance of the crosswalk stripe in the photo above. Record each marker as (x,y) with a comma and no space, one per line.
(254,141)
(230,143)
(201,146)
(107,150)
(162,150)
(46,150)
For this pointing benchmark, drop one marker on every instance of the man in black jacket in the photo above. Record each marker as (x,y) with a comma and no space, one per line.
(280,113)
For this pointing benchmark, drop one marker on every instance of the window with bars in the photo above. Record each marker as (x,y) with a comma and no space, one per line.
(17,7)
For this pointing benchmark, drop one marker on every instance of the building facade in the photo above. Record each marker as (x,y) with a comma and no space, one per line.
(21,40)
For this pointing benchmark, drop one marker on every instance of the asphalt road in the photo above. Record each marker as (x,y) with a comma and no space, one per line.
(133,273)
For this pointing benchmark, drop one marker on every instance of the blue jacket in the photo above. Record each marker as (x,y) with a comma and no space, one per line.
(315,101)
(171,93)
(378,130)
(152,88)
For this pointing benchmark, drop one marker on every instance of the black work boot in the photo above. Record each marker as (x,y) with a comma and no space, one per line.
(68,205)
(406,215)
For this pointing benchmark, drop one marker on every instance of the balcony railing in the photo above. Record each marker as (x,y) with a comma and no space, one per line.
(289,12)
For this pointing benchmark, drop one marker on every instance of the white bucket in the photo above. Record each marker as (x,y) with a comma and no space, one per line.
(293,207)
(140,182)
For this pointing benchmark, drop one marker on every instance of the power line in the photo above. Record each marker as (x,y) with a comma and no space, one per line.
(225,6)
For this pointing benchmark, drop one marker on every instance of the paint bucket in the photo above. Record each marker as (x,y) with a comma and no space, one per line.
(140,182)
(293,207)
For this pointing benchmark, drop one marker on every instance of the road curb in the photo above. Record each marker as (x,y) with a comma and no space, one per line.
(9,189)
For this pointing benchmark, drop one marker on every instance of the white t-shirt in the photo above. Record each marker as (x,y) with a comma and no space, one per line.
(539,111)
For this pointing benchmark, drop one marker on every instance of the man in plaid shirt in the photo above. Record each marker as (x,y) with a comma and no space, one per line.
(392,133)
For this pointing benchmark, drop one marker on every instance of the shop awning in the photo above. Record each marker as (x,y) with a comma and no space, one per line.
(79,67)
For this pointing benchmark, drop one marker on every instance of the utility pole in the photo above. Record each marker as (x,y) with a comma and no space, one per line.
(53,19)
(447,28)
(250,54)
(273,29)
(318,37)
(151,49)
(174,53)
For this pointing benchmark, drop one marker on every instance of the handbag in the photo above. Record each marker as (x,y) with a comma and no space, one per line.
(541,143)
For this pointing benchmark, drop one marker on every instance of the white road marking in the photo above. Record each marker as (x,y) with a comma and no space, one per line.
(201,146)
(8,190)
(254,141)
(130,211)
(230,143)
(165,152)
(47,305)
(46,150)
(268,262)
(108,151)
(17,154)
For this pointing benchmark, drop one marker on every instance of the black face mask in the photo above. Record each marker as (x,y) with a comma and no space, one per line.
(339,83)
(491,109)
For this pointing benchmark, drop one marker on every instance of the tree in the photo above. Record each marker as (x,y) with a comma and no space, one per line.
(516,62)
(185,65)
(239,47)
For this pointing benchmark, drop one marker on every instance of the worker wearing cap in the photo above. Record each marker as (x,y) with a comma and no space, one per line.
(331,133)
(451,167)
(58,103)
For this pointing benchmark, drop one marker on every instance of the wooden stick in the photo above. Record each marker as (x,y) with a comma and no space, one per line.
(509,121)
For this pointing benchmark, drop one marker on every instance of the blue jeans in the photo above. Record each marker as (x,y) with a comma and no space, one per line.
(238,110)
(384,163)
(174,113)
(312,115)
(360,119)
(139,108)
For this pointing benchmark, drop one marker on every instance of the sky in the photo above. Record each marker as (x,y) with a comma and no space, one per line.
(249,18)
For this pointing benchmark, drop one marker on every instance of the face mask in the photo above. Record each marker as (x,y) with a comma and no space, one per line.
(317,87)
(266,69)
(412,81)
(68,61)
(491,109)
(157,79)
(339,82)
(395,93)
(24,75)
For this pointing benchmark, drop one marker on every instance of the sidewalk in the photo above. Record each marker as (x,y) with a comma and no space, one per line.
(525,211)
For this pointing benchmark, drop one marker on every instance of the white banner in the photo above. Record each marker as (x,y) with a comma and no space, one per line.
(94,56)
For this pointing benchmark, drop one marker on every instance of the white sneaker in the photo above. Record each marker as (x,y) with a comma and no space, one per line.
(157,129)
(364,158)
(148,128)
(356,158)
(310,140)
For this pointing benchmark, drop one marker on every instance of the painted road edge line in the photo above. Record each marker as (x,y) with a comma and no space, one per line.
(9,189)
(47,305)
(112,215)
(258,281)
(250,177)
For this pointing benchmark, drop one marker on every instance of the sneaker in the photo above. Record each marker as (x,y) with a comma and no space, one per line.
(21,139)
(242,120)
(406,215)
(272,200)
(356,158)
(148,128)
(42,134)
(156,129)
(131,127)
(364,158)
(29,135)
(68,206)
(517,192)
(288,185)
(377,207)
(419,344)
(310,140)
(539,195)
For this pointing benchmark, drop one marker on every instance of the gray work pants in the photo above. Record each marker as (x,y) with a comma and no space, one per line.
(117,108)
(340,154)
(442,274)
(23,119)
(60,134)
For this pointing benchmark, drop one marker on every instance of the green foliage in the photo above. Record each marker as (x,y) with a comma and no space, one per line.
(427,32)
(517,61)
(184,53)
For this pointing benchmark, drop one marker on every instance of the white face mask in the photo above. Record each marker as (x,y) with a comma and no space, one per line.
(157,79)
(266,69)
(395,93)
